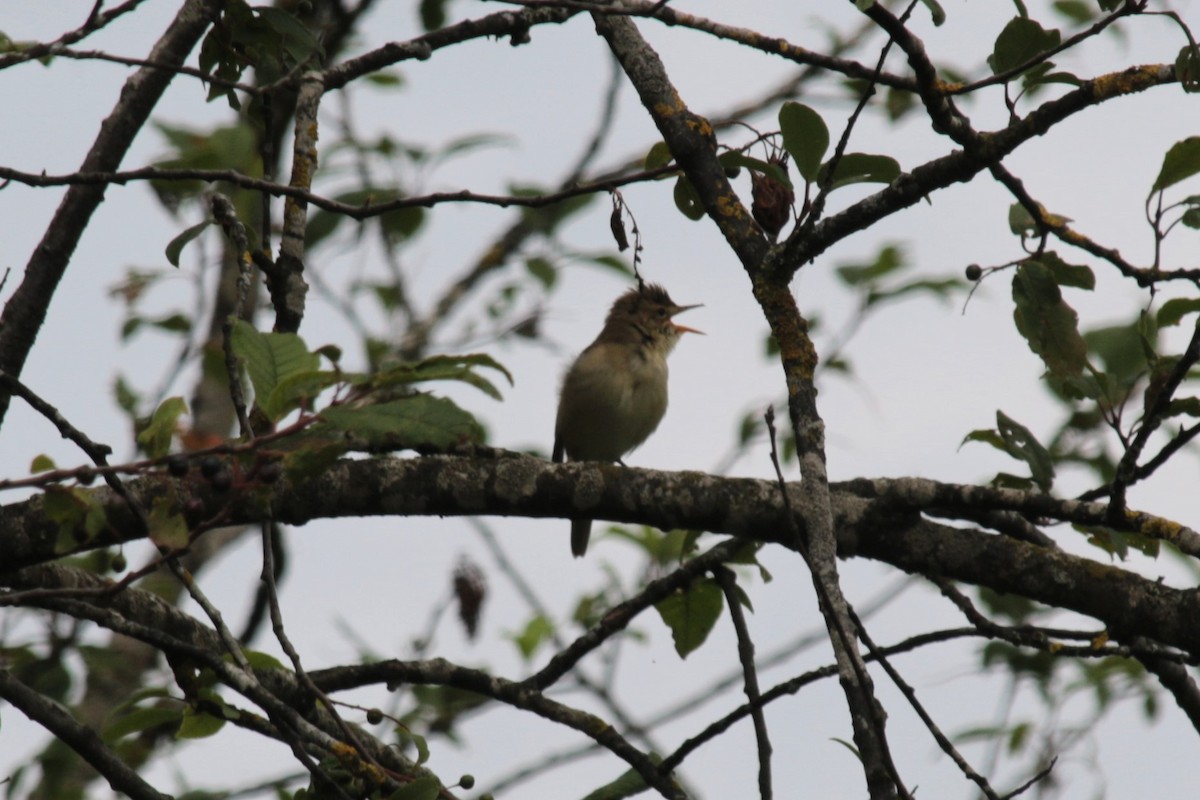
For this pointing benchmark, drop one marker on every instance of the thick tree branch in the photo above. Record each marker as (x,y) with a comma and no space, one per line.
(26,309)
(512,485)
(80,738)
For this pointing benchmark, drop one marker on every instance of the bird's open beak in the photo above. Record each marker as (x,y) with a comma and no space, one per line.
(683,328)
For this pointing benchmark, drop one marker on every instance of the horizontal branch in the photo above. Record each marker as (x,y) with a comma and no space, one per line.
(357,211)
(886,526)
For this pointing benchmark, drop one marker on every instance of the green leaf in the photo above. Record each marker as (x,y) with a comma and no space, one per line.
(433,14)
(270,359)
(1122,350)
(198,725)
(544,271)
(805,137)
(42,463)
(176,245)
(691,614)
(424,788)
(733,158)
(935,11)
(889,260)
(155,438)
(1187,68)
(1049,325)
(1020,221)
(659,156)
(861,168)
(1174,310)
(167,526)
(417,422)
(1079,276)
(538,631)
(1021,41)
(686,199)
(627,784)
(138,720)
(1077,11)
(260,660)
(1182,161)
(1021,443)
(442,368)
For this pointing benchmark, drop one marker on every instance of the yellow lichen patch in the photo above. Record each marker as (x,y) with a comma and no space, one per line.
(1156,527)
(728,206)
(1054,647)
(665,110)
(1100,640)
(947,87)
(1134,79)
(701,126)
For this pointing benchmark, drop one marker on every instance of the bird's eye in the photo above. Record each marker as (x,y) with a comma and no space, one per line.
(662,312)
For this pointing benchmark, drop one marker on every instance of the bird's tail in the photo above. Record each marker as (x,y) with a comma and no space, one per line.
(581,529)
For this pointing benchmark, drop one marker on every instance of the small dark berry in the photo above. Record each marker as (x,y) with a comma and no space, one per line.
(85,477)
(222,481)
(374,716)
(177,464)
(270,472)
(194,505)
(974,272)
(467,782)
(210,466)
(118,563)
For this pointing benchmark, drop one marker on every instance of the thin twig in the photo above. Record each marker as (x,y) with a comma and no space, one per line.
(733,600)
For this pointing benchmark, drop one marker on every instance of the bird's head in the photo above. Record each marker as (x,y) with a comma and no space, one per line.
(650,311)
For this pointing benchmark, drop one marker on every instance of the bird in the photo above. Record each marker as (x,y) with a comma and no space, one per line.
(614,394)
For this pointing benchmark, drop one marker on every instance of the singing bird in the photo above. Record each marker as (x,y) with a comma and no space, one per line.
(615,394)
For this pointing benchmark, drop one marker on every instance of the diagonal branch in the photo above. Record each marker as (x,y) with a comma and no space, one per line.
(26,309)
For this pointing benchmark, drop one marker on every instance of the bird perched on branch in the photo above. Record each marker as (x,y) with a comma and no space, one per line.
(615,394)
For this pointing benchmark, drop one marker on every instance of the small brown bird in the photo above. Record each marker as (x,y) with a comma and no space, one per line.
(615,393)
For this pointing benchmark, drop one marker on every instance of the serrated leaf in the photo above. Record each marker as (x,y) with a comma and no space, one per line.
(270,358)
(1021,41)
(418,422)
(176,245)
(805,137)
(861,168)
(1181,162)
(691,614)
(443,368)
(295,391)
(1049,325)
(686,199)
(155,438)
